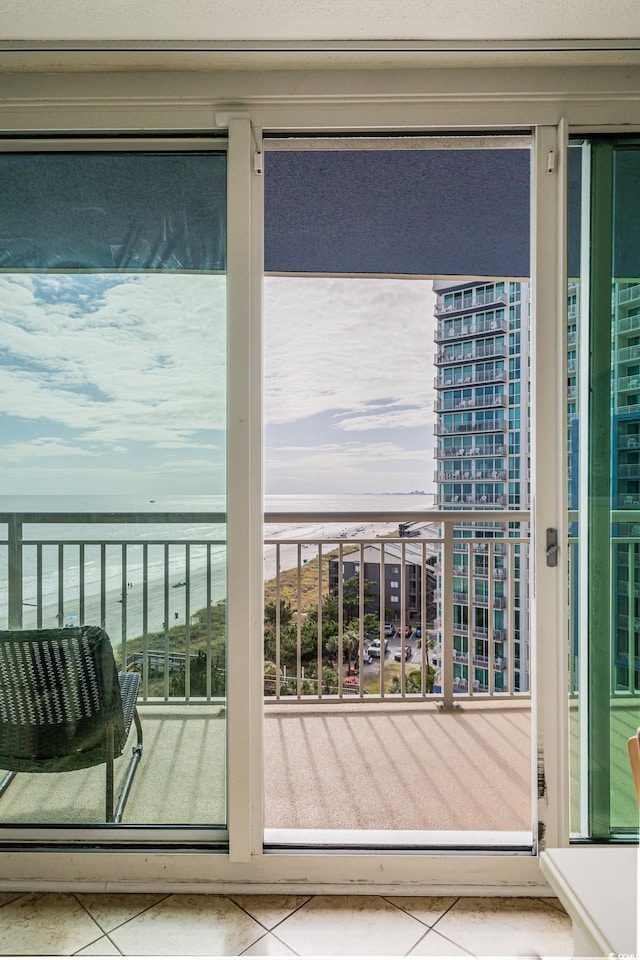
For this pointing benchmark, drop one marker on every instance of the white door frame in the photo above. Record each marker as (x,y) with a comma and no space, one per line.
(339,101)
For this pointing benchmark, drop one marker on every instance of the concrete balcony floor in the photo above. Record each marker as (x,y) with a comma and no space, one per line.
(344,766)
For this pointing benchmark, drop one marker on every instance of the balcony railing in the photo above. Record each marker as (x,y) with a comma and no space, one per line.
(471,426)
(469,500)
(480,351)
(161,599)
(456,379)
(476,659)
(630,441)
(628,383)
(470,301)
(455,330)
(627,354)
(490,450)
(629,471)
(628,501)
(628,324)
(445,404)
(448,476)
(629,294)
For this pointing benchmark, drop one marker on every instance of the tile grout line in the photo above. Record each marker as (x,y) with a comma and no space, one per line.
(106,933)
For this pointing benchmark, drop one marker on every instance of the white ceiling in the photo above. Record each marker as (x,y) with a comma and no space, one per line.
(332,20)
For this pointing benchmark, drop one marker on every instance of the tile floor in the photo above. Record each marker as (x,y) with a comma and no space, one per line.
(102,924)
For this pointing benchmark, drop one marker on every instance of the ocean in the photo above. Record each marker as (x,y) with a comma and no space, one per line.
(108,583)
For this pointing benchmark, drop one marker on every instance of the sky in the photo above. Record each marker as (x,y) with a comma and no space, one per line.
(116,383)
(348,385)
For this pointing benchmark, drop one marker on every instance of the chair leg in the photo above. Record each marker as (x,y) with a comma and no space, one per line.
(6,780)
(109,774)
(131,770)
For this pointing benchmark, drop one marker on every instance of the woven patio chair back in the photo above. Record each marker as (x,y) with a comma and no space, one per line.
(59,691)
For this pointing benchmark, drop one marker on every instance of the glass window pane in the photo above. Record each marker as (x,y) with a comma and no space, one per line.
(604,492)
(113,401)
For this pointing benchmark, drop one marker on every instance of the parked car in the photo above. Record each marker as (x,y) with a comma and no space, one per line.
(419,631)
(389,630)
(407,631)
(408,653)
(374,648)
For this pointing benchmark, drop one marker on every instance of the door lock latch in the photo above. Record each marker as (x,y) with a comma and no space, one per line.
(552,547)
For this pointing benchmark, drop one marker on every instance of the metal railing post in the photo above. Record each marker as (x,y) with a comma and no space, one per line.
(14,530)
(447,615)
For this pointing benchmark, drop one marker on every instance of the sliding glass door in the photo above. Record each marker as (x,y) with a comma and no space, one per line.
(397,383)
(113,404)
(604,432)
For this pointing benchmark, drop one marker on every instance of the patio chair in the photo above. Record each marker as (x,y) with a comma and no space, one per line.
(633,744)
(64,706)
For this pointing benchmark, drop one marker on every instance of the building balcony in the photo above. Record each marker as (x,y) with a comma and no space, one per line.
(477,659)
(469,500)
(627,408)
(629,294)
(484,451)
(628,324)
(444,404)
(629,354)
(477,599)
(471,426)
(628,383)
(453,379)
(161,601)
(483,546)
(629,471)
(470,476)
(479,351)
(468,327)
(629,441)
(325,775)
(629,501)
(469,302)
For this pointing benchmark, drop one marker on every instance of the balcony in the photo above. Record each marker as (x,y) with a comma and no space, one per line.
(455,379)
(628,324)
(629,294)
(629,354)
(628,383)
(629,471)
(479,351)
(470,476)
(444,404)
(629,501)
(629,441)
(460,330)
(488,450)
(470,301)
(471,426)
(469,500)
(58,563)
(477,659)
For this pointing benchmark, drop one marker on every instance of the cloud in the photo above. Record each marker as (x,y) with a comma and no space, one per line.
(143,358)
(388,419)
(42,448)
(340,343)
(350,466)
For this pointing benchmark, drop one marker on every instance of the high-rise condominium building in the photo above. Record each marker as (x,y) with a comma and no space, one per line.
(482,430)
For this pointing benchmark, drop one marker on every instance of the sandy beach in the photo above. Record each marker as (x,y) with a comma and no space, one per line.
(167,602)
